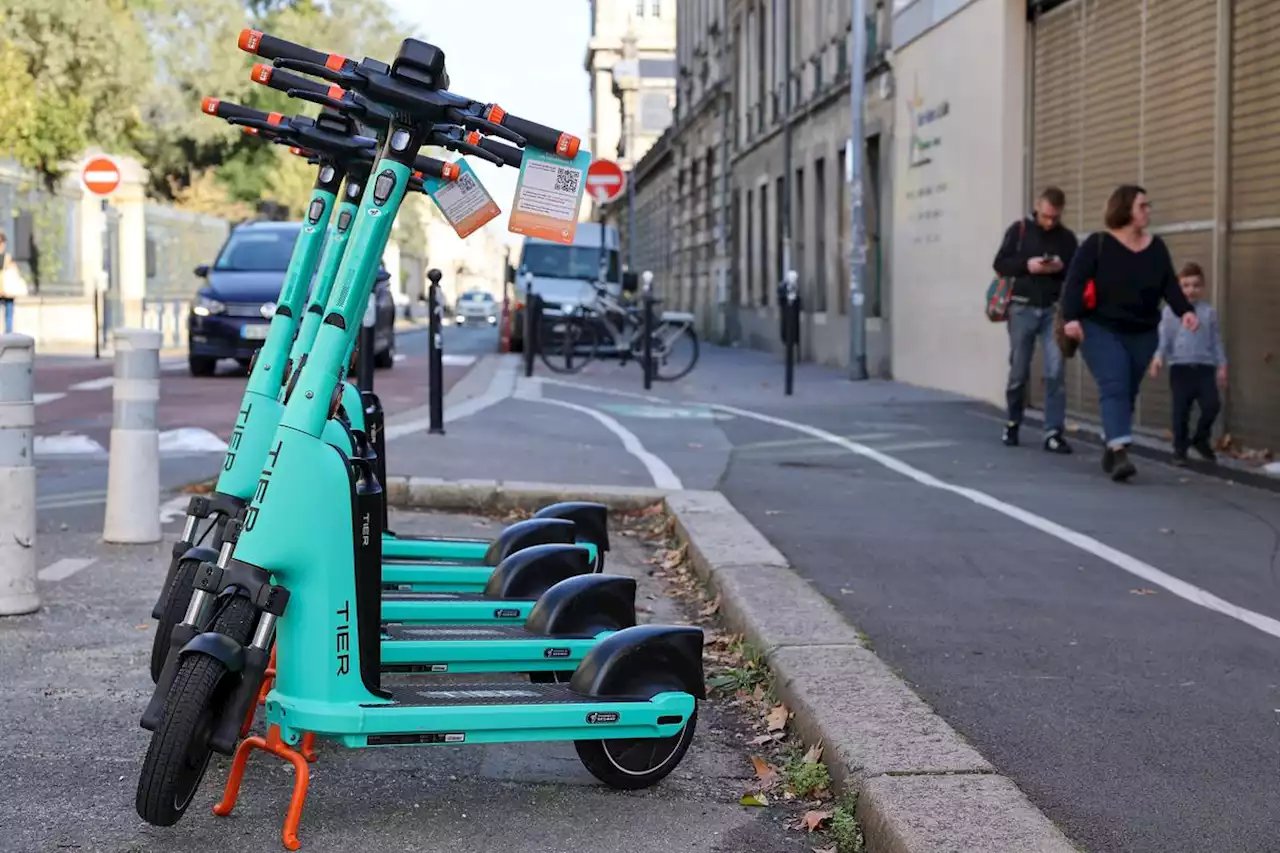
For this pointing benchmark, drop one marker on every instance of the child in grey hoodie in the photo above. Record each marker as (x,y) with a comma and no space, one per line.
(1197,367)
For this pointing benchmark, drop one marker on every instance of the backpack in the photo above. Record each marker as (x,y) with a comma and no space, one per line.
(1000,291)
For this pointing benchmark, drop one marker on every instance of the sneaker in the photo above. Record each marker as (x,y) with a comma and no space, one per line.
(1055,443)
(1010,436)
(1204,450)
(1122,468)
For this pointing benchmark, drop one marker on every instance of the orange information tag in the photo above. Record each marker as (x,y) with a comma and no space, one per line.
(549,195)
(464,201)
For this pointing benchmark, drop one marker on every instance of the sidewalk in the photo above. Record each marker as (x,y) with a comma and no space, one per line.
(1106,647)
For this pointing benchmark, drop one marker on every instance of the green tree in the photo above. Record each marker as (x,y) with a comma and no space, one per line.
(66,56)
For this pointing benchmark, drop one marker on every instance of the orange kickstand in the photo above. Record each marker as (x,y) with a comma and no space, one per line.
(301,778)
(308,747)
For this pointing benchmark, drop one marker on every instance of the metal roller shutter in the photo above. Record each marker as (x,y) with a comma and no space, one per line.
(1253,310)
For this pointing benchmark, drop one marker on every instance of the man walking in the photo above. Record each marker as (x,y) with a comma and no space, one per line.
(1035,253)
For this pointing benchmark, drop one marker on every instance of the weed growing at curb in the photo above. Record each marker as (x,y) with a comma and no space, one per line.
(845,831)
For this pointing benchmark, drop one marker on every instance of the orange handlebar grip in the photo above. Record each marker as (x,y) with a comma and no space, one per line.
(261,73)
(450,171)
(210,106)
(335,62)
(274,118)
(249,40)
(567,146)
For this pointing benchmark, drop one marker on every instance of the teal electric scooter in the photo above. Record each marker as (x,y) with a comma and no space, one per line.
(308,564)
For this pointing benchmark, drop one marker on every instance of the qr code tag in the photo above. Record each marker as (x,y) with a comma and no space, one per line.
(464,202)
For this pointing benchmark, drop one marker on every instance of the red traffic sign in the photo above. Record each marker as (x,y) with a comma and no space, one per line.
(101,176)
(605,180)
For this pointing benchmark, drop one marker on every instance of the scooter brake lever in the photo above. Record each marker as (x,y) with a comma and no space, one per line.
(315,69)
(325,101)
(489,128)
(474,150)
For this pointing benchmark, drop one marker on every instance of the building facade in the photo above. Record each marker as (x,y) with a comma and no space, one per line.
(631,62)
(751,179)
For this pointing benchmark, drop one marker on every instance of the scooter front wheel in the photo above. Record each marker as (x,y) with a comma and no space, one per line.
(176,599)
(633,763)
(179,751)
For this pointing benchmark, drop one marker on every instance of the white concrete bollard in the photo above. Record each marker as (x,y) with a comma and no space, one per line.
(133,472)
(18,593)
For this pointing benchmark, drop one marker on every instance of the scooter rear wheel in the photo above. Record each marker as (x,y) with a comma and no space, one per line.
(179,752)
(634,763)
(176,599)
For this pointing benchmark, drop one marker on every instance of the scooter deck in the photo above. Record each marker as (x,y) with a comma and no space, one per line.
(497,631)
(489,694)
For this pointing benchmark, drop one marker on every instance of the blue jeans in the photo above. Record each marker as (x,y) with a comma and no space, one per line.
(1025,325)
(8,315)
(1118,361)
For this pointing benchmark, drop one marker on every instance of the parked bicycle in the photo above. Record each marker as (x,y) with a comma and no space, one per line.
(570,339)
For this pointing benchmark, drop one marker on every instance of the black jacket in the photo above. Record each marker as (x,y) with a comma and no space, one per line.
(1039,291)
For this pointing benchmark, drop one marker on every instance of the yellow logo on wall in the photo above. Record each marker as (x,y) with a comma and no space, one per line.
(920,117)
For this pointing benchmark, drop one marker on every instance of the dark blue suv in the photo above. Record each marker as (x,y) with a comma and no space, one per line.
(231,312)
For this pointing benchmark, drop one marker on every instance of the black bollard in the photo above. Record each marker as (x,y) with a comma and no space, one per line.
(646,345)
(435,355)
(790,327)
(532,318)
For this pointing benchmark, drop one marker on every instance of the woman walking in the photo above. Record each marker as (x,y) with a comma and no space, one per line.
(1111,303)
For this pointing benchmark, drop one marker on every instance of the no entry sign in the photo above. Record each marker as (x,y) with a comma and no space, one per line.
(101,176)
(605,180)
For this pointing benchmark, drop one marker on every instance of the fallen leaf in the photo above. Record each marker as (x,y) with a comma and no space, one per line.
(711,609)
(761,740)
(758,693)
(813,819)
(777,719)
(766,773)
(1142,591)
(141,627)
(753,800)
(814,754)
(675,557)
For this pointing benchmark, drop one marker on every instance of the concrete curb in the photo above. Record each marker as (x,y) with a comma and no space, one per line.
(921,788)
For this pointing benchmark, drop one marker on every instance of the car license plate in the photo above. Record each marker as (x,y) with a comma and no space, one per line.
(255,332)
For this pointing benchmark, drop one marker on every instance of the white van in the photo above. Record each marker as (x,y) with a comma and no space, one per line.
(563,274)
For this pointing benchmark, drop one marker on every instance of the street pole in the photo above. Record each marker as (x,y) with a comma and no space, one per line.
(785,211)
(435,356)
(858,237)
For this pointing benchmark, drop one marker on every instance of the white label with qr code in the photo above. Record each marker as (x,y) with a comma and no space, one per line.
(463,197)
(550,189)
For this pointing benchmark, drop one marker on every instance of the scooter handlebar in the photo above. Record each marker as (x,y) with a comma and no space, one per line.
(434,168)
(227,110)
(508,154)
(271,47)
(283,81)
(563,144)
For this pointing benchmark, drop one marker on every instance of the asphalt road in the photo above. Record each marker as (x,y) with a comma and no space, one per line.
(1137,720)
(70,752)
(74,419)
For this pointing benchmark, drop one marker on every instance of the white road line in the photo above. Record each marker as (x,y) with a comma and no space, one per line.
(1088,544)
(94,384)
(65,568)
(47,398)
(661,474)
(459,360)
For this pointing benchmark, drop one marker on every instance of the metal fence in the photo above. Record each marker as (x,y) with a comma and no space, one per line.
(42,228)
